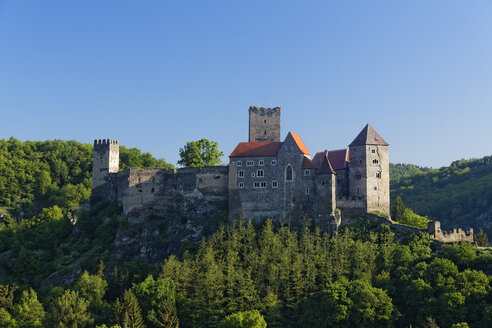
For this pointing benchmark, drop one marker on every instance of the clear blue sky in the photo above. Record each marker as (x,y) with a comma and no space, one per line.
(155,74)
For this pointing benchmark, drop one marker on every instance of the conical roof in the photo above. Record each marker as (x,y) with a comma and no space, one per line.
(368,136)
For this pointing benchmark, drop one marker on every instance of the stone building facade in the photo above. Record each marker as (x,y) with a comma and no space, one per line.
(265,177)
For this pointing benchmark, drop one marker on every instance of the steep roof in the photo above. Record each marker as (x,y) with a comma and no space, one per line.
(338,158)
(368,136)
(253,149)
(299,143)
(307,164)
(325,165)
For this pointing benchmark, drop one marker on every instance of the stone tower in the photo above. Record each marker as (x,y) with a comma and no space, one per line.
(106,159)
(369,170)
(264,124)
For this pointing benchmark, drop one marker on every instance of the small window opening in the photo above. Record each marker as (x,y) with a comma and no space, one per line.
(152,190)
(265,132)
(307,191)
(378,175)
(374,151)
(140,190)
(264,121)
(288,173)
(375,188)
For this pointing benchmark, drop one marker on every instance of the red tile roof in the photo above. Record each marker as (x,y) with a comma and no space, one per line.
(299,143)
(307,164)
(253,149)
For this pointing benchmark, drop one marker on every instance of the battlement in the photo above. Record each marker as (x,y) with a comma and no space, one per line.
(457,234)
(105,142)
(264,110)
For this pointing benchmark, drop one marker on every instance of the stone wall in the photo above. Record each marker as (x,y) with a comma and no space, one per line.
(264,124)
(377,172)
(106,155)
(434,230)
(189,192)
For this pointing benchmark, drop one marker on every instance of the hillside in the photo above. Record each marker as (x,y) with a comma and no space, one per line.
(106,267)
(459,195)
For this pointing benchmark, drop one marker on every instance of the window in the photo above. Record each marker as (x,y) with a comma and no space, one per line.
(274,184)
(261,162)
(239,163)
(256,184)
(360,161)
(288,173)
(152,190)
(240,173)
(263,184)
(265,132)
(375,161)
(250,163)
(259,173)
(358,176)
(241,184)
(307,191)
(264,121)
(307,173)
(378,175)
(373,151)
(253,174)
(375,188)
(322,183)
(274,162)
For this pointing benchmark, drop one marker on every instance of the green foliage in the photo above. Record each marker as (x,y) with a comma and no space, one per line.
(158,301)
(246,319)
(398,171)
(133,157)
(70,311)
(28,312)
(404,215)
(127,311)
(456,195)
(481,238)
(200,153)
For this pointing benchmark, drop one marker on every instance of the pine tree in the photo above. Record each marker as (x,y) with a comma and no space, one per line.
(70,310)
(481,239)
(29,312)
(398,209)
(127,311)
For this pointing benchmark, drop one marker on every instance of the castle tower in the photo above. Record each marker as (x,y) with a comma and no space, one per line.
(106,159)
(369,170)
(264,124)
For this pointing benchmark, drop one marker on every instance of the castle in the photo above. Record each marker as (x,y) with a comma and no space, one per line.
(266,177)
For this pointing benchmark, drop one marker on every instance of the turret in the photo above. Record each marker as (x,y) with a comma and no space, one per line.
(369,170)
(264,124)
(106,157)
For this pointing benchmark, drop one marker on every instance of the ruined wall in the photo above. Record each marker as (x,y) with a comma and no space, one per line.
(434,230)
(189,193)
(264,124)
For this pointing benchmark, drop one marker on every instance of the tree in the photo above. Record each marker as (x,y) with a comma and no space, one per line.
(28,312)
(158,301)
(127,311)
(398,209)
(481,239)
(247,319)
(70,311)
(200,153)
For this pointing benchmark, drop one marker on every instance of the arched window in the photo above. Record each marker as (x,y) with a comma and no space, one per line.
(288,173)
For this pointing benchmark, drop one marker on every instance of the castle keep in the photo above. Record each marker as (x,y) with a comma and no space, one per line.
(266,177)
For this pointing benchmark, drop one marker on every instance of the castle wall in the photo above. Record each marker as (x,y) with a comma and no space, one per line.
(264,124)
(189,192)
(434,230)
(351,207)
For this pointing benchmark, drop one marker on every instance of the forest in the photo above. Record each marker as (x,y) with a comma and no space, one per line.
(57,274)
